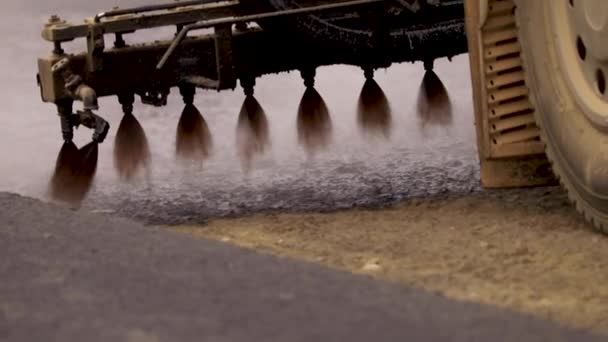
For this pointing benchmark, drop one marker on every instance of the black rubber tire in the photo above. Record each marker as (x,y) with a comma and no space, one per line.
(577,148)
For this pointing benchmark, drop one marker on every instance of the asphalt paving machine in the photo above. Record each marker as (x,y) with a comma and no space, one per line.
(538,69)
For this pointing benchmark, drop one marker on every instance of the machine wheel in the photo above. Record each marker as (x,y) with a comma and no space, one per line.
(564,46)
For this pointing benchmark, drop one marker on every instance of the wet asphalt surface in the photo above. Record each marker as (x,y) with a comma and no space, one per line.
(419,158)
(99,278)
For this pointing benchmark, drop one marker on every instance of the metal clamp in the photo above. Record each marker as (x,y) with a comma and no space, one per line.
(95,47)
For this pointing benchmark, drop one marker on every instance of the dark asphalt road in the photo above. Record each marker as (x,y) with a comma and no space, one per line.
(74,276)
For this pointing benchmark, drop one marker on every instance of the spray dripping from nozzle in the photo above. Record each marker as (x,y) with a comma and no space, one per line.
(434,105)
(314,123)
(374,110)
(131,149)
(252,134)
(193,140)
(74,172)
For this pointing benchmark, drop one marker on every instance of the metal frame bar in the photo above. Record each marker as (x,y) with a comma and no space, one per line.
(62,31)
(181,15)
(150,8)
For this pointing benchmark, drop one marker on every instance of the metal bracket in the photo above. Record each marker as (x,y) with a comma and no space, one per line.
(95,47)
(226,75)
(223,55)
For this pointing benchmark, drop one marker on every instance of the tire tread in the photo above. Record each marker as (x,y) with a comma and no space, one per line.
(581,207)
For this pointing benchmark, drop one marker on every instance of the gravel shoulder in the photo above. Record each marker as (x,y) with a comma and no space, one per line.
(524,249)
